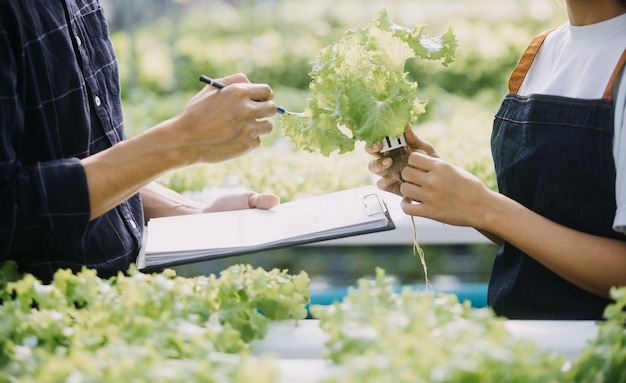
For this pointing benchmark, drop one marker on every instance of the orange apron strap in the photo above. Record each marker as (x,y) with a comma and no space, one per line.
(522,67)
(608,92)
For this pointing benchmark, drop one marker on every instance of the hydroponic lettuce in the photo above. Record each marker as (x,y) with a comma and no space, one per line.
(144,327)
(360,87)
(379,334)
(164,328)
(604,359)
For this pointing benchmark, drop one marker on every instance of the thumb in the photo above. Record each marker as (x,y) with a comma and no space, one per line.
(415,142)
(262,200)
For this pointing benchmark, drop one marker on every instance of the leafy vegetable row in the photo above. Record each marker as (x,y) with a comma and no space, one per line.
(378,334)
(163,328)
(144,328)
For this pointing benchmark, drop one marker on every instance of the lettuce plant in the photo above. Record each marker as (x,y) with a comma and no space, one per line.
(360,87)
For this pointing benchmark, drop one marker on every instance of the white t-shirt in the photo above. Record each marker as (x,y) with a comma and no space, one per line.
(578,61)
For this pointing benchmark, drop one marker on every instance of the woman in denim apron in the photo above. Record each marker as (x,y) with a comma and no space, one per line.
(557,217)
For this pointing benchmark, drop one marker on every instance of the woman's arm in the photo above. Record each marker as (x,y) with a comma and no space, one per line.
(452,195)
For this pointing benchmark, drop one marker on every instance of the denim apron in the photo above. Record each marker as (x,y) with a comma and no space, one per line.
(553,155)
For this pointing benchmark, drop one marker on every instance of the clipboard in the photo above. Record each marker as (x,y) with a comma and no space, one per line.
(173,241)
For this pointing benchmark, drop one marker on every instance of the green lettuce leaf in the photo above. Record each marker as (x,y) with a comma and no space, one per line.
(360,89)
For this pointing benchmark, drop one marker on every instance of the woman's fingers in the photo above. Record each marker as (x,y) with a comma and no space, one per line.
(378,165)
(415,142)
(374,150)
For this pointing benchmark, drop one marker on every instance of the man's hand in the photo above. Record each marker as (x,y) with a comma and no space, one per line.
(220,124)
(159,201)
(216,125)
(243,200)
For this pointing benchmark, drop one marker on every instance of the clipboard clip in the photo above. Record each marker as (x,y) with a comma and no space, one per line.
(373,204)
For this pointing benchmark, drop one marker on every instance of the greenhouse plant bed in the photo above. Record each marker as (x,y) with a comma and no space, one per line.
(299,346)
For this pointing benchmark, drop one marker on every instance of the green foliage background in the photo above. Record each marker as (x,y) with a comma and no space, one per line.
(274,42)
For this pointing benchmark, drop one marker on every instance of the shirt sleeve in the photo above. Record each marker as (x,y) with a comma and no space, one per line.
(619,153)
(43,205)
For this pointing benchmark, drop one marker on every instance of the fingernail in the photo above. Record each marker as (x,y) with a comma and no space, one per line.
(387,161)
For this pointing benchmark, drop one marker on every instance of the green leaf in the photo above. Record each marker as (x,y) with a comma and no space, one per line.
(360,91)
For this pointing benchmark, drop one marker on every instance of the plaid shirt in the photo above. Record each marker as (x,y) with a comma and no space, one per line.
(59,102)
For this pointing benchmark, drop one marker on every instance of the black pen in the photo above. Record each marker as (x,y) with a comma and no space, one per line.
(218,85)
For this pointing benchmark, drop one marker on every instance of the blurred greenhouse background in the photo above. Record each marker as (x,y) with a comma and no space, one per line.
(163,45)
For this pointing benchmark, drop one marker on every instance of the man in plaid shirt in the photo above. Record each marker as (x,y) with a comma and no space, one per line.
(74,191)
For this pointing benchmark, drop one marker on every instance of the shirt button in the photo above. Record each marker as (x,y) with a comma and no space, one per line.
(133,224)
(97,100)
(78,40)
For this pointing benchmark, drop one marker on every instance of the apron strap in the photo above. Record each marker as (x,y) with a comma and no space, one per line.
(608,92)
(523,65)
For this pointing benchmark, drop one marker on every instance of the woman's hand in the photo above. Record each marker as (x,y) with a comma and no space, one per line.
(436,189)
(431,187)
(381,163)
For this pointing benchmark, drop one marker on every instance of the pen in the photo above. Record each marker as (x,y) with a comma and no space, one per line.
(218,85)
